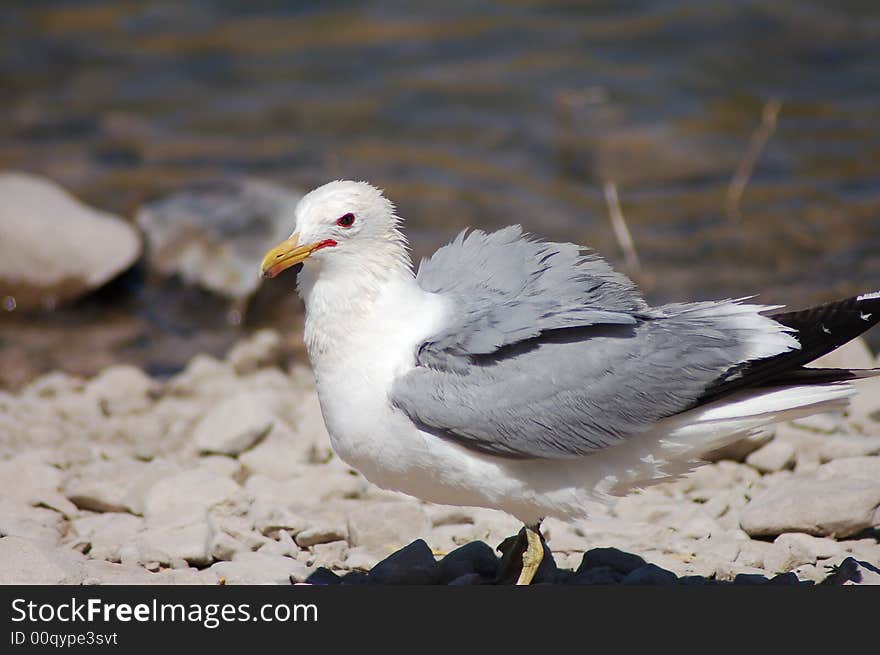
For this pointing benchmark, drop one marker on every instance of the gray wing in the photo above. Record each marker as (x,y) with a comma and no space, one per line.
(518,374)
(507,287)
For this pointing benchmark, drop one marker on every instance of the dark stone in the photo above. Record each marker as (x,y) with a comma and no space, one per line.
(750,578)
(696,580)
(467,579)
(475,557)
(563,576)
(323,576)
(355,577)
(596,575)
(649,574)
(785,579)
(617,559)
(413,564)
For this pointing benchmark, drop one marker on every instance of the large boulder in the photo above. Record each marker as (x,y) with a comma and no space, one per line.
(214,235)
(53,248)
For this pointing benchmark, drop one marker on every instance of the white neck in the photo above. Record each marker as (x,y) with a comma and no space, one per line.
(341,291)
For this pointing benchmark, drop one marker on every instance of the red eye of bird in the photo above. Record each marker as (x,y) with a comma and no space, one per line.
(345,221)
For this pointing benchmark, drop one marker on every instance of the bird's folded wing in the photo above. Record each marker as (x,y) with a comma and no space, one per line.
(506,287)
(550,354)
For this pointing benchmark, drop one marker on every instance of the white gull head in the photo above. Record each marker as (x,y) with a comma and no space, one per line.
(349,242)
(343,227)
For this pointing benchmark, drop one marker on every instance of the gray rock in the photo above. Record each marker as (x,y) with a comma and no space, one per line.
(774,456)
(833,422)
(866,549)
(729,570)
(331,555)
(118,485)
(442,515)
(786,554)
(705,481)
(837,446)
(753,553)
(312,486)
(38,524)
(387,525)
(865,468)
(447,538)
(261,569)
(203,376)
(191,542)
(361,558)
(862,408)
(853,354)
(818,448)
(99,572)
(723,502)
(227,519)
(285,545)
(187,496)
(29,481)
(704,557)
(839,508)
(38,219)
(739,450)
(563,537)
(700,526)
(224,546)
(321,534)
(23,562)
(105,534)
(793,549)
(122,389)
(262,348)
(280,455)
(215,234)
(222,465)
(234,425)
(268,519)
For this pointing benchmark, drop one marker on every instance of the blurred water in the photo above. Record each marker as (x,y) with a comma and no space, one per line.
(477,113)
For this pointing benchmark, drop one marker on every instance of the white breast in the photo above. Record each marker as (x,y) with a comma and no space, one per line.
(355,369)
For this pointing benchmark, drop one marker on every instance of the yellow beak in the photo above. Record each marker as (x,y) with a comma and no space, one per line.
(286,254)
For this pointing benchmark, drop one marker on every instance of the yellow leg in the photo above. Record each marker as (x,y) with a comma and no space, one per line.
(531,557)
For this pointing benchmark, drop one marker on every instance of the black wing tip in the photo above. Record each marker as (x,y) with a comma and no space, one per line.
(819,330)
(830,325)
(811,375)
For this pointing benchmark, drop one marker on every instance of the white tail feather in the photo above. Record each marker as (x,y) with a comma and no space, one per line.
(674,446)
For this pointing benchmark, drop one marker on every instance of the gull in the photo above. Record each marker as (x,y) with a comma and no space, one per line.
(529,376)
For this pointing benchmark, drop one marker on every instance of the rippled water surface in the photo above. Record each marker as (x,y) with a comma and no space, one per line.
(477,113)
